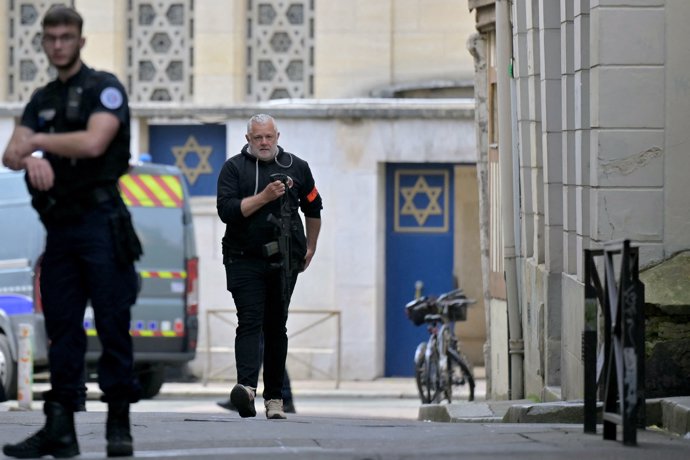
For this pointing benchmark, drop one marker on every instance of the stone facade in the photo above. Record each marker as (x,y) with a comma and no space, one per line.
(600,94)
(212,51)
(280,50)
(28,66)
(388,47)
(160,51)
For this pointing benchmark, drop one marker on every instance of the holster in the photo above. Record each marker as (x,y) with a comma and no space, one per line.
(127,245)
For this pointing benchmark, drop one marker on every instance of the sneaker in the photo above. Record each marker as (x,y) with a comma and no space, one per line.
(274,409)
(242,397)
(289,406)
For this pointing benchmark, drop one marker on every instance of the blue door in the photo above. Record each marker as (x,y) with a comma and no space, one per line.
(419,247)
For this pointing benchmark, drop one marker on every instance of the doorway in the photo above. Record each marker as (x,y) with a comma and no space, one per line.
(419,252)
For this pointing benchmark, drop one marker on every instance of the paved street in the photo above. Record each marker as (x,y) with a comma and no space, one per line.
(217,436)
(358,420)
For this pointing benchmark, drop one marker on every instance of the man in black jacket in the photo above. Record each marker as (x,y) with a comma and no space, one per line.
(80,121)
(252,187)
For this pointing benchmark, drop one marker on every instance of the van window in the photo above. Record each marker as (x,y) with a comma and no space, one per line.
(156,204)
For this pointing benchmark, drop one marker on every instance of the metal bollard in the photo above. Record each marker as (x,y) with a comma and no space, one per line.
(25,366)
(621,298)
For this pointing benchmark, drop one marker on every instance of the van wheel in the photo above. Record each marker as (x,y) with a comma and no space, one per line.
(151,379)
(8,371)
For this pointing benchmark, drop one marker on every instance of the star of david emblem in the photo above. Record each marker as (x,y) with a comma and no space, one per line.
(409,208)
(203,152)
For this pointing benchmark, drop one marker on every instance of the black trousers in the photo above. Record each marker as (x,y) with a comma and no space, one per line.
(79,265)
(287,386)
(256,289)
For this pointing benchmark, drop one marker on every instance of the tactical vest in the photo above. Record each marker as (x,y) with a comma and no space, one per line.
(80,184)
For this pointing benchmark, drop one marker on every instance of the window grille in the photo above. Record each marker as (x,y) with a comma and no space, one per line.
(280,49)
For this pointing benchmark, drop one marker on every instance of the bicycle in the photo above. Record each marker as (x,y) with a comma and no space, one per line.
(440,364)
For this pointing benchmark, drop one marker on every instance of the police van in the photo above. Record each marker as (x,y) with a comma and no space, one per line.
(22,240)
(164,325)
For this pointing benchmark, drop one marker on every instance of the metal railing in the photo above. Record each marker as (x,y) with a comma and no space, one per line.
(228,315)
(621,299)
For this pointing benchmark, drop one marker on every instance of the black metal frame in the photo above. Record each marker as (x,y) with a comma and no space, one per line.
(622,305)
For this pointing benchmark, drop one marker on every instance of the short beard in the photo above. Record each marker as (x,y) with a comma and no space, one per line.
(274,152)
(70,64)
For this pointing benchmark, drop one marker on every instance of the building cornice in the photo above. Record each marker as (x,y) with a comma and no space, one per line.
(299,108)
(485,19)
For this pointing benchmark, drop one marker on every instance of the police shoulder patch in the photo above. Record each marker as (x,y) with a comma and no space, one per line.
(111,98)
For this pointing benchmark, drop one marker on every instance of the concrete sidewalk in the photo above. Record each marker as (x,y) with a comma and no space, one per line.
(378,388)
(671,414)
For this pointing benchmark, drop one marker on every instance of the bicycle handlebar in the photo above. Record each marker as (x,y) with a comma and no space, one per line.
(455,293)
(448,307)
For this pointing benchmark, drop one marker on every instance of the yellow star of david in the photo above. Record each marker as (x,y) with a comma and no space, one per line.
(192,146)
(432,208)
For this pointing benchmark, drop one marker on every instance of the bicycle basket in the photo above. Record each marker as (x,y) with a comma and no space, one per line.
(457,311)
(417,309)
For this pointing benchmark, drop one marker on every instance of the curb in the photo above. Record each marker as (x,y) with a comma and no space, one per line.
(671,414)
(675,415)
(466,412)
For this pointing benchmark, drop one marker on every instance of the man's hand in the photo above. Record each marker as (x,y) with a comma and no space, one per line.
(313,227)
(274,190)
(40,173)
(308,257)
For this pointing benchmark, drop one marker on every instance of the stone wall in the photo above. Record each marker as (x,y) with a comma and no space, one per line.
(667,327)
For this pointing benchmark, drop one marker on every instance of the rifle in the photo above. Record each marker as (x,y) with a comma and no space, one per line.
(283,245)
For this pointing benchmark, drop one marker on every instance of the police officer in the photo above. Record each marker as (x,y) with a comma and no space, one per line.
(259,193)
(80,122)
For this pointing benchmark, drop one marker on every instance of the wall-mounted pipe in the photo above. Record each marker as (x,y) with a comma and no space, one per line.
(505,152)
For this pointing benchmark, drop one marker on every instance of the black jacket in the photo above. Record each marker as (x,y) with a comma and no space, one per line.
(242,176)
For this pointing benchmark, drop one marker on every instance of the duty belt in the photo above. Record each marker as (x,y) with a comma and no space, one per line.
(66,209)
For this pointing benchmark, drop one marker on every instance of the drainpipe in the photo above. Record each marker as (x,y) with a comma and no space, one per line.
(503,60)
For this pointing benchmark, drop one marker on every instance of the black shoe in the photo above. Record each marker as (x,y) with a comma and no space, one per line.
(57,438)
(242,397)
(227,405)
(117,430)
(289,406)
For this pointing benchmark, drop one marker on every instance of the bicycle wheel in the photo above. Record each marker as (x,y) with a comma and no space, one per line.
(459,373)
(432,372)
(420,371)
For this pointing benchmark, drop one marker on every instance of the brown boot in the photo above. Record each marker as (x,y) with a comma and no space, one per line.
(117,430)
(57,438)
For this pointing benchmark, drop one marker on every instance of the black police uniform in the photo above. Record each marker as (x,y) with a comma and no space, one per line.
(252,275)
(90,242)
